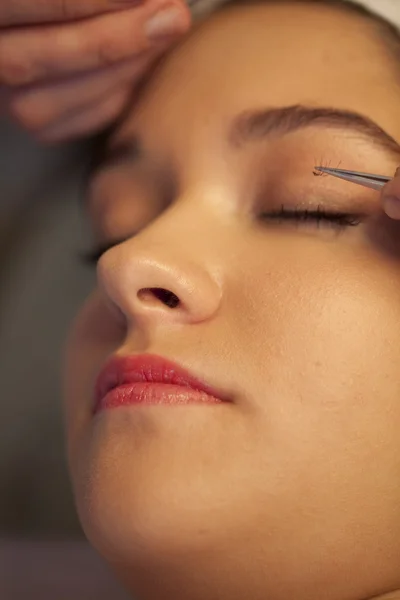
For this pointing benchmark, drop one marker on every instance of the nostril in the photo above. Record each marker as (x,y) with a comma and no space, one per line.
(166,297)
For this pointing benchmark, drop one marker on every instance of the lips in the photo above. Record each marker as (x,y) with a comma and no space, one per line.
(150,371)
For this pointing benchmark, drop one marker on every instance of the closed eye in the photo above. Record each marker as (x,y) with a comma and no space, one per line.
(318,217)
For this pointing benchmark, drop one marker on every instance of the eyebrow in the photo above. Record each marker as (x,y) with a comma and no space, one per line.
(259,124)
(256,125)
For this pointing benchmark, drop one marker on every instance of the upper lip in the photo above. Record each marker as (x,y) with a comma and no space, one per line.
(147,368)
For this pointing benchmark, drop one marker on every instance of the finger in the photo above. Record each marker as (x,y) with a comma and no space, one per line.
(37,53)
(26,12)
(42,106)
(391,196)
(89,120)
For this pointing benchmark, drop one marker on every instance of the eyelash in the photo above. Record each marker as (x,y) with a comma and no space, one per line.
(318,216)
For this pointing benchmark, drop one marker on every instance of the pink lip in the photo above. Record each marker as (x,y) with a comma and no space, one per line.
(149,379)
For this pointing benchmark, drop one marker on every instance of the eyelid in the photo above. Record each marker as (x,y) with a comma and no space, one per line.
(317,215)
(330,194)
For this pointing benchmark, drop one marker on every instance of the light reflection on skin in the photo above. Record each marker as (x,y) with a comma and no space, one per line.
(285,168)
(300,474)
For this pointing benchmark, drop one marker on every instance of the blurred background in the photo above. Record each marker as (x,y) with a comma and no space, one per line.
(43,554)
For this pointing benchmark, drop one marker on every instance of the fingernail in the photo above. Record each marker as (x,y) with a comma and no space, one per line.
(165,23)
(391,205)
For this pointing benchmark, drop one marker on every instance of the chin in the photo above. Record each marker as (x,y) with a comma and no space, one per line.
(151,517)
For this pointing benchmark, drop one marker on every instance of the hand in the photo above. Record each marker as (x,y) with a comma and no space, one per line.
(391,196)
(68,67)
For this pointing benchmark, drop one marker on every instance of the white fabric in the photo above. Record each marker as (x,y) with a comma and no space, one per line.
(390,9)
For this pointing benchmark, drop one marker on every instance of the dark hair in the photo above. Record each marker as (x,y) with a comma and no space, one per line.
(386,31)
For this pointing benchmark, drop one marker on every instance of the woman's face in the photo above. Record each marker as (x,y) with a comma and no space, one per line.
(292,488)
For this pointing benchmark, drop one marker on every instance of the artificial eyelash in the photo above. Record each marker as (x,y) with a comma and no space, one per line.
(326,165)
(317,215)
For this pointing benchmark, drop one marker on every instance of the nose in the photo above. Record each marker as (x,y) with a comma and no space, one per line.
(155,285)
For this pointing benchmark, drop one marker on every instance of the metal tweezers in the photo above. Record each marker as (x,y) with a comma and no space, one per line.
(369,180)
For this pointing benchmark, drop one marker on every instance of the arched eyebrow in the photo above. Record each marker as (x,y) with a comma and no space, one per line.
(254,125)
(258,124)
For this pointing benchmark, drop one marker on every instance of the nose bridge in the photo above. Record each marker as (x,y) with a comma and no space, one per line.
(168,273)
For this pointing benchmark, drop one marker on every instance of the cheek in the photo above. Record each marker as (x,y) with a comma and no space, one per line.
(324,328)
(324,376)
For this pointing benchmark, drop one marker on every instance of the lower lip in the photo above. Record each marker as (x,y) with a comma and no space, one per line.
(154,393)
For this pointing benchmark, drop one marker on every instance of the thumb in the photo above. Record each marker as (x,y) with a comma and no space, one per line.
(391,196)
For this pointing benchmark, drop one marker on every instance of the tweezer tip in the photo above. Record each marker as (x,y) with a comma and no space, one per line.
(321,171)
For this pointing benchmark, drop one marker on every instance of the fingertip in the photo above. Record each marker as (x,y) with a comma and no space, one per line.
(168,22)
(391,206)
(391,196)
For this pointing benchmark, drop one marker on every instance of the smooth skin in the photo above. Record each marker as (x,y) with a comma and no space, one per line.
(69,68)
(292,490)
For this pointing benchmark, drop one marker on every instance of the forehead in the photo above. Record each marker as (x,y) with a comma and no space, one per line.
(267,55)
